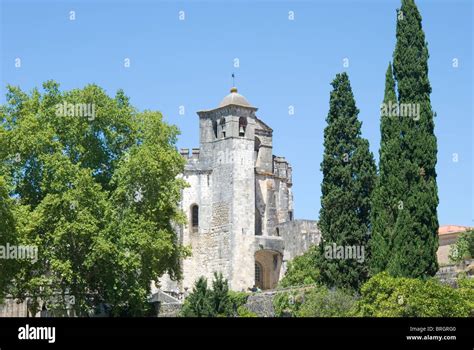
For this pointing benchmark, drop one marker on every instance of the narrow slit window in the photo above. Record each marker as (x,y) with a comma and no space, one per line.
(195,216)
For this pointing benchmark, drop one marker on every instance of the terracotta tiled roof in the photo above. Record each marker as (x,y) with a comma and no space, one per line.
(447,229)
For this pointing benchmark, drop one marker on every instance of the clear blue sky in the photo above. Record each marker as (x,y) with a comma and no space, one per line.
(282,63)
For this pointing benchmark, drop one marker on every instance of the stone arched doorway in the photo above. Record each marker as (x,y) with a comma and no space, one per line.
(267,268)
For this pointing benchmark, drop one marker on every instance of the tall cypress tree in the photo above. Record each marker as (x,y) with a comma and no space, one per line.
(348,179)
(386,201)
(413,229)
(416,239)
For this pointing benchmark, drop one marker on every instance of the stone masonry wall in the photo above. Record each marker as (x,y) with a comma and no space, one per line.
(299,236)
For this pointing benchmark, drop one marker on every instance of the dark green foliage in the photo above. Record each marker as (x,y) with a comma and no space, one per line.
(408,237)
(215,302)
(348,179)
(386,197)
(198,303)
(220,296)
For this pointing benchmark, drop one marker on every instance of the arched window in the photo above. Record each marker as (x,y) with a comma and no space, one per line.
(242,126)
(258,275)
(195,217)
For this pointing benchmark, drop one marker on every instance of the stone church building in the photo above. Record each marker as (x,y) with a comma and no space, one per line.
(239,204)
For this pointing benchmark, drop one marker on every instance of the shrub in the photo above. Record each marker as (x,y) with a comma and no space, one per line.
(466,290)
(237,298)
(198,303)
(216,302)
(285,303)
(318,301)
(219,296)
(387,296)
(323,302)
(242,311)
(303,270)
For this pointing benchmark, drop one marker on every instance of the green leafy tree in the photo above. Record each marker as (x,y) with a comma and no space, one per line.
(143,211)
(348,180)
(303,269)
(97,191)
(413,230)
(7,236)
(463,248)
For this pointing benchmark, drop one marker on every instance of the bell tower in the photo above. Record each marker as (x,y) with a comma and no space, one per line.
(239,204)
(225,238)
